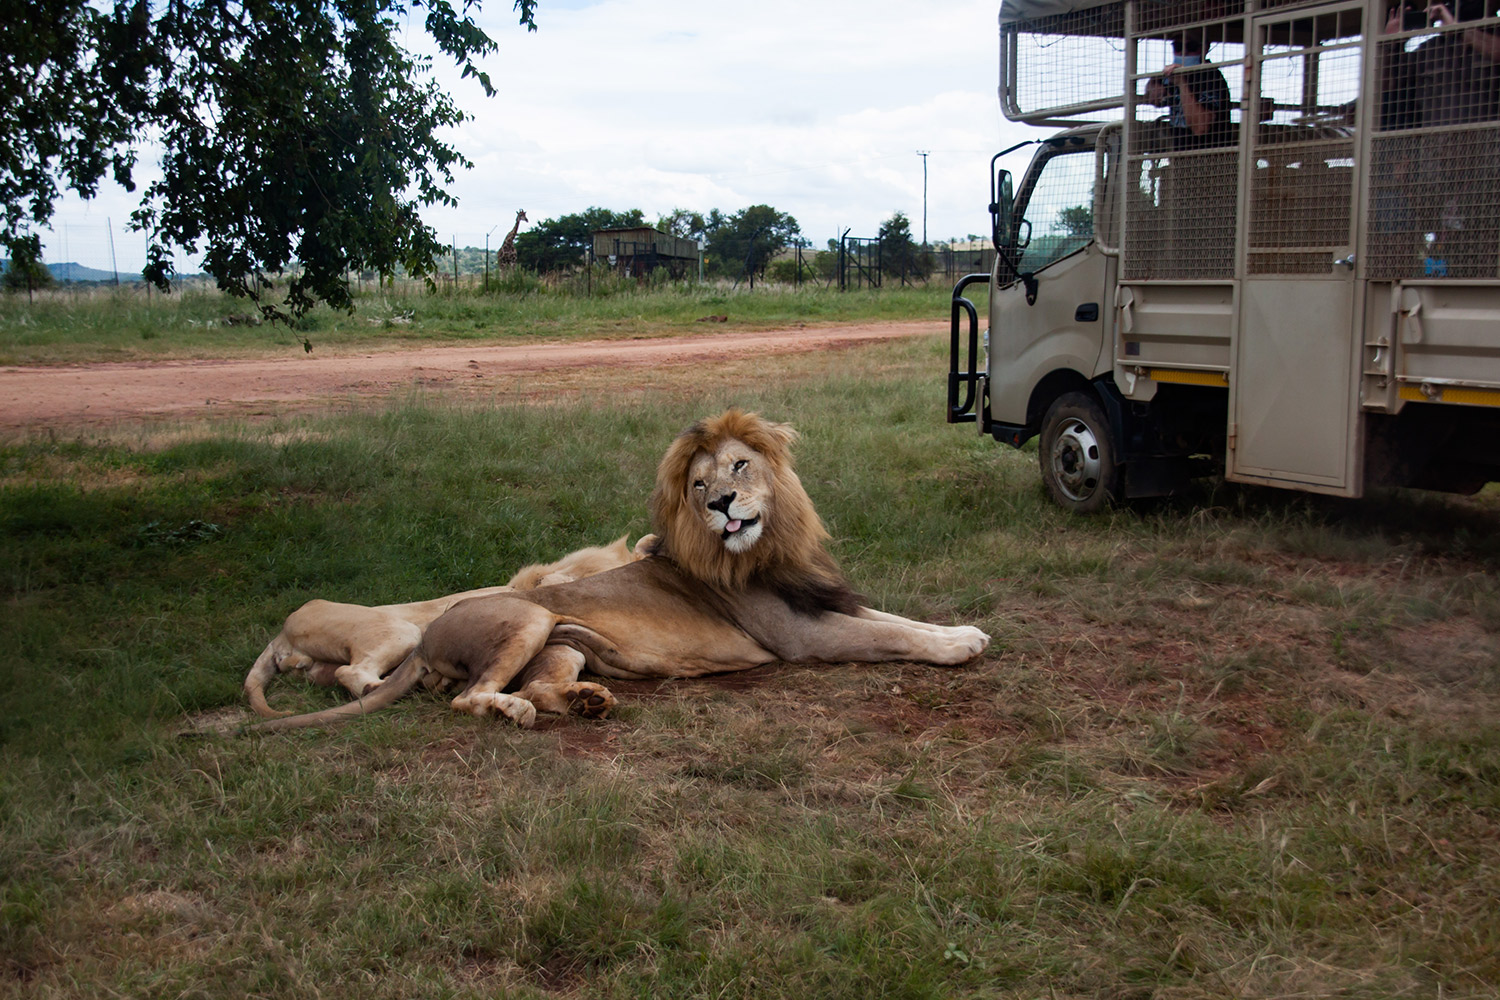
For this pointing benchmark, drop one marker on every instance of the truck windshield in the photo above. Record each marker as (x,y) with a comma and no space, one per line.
(1060,208)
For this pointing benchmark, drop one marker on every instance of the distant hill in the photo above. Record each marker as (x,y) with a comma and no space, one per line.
(76,272)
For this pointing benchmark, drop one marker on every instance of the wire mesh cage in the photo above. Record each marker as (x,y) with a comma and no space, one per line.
(1065,66)
(1285,82)
(1180,216)
(1303,150)
(1183,163)
(1435,156)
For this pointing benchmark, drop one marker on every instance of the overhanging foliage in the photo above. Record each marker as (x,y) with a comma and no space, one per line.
(297,137)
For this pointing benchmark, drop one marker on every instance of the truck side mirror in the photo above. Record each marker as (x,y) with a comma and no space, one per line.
(1002,208)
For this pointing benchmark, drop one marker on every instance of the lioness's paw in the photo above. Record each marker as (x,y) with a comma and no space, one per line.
(517,710)
(964,643)
(437,682)
(592,701)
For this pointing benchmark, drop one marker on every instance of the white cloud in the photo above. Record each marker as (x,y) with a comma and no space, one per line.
(817,109)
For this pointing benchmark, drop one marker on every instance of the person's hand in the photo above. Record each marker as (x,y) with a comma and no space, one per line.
(1393,23)
(1441,15)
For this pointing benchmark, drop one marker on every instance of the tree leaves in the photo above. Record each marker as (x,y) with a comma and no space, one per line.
(554,244)
(745,242)
(299,140)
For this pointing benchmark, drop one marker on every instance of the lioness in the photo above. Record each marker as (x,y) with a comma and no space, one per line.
(357,646)
(739,576)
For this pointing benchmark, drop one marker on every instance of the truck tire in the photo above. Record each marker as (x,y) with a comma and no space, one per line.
(1077,455)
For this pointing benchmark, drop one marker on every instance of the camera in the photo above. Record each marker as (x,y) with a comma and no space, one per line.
(1413,18)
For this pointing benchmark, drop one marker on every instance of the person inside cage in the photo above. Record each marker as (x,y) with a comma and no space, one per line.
(1452,78)
(1195,95)
(1197,193)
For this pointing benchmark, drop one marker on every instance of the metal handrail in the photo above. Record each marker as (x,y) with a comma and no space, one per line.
(965,412)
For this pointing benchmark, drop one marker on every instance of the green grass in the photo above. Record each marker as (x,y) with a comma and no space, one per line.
(1244,743)
(128,324)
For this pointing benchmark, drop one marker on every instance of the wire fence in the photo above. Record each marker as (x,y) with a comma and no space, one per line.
(92,251)
(87,252)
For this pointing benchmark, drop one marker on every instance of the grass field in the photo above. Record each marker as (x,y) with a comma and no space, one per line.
(1242,744)
(120,325)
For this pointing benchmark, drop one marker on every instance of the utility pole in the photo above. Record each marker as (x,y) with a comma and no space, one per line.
(923,154)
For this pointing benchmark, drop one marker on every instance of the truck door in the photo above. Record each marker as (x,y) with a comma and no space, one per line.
(1293,391)
(1049,312)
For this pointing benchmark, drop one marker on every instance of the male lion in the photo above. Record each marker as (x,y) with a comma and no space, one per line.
(357,646)
(738,577)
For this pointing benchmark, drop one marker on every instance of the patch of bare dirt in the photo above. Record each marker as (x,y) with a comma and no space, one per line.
(99,395)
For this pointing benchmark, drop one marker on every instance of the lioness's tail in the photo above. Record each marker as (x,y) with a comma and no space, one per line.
(401,681)
(267,665)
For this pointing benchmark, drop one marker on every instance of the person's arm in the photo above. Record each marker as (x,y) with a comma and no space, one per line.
(1484,44)
(1198,116)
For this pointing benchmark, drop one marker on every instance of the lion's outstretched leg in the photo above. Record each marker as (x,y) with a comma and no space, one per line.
(550,682)
(866,637)
(966,639)
(872,615)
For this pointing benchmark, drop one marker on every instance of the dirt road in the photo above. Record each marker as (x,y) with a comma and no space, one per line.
(81,396)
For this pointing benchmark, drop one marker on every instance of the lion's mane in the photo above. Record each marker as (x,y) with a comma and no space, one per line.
(790,557)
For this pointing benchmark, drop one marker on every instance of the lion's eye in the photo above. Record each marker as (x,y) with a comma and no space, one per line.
(699,486)
(741,464)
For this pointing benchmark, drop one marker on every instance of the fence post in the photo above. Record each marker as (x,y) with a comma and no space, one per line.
(843,261)
(113,263)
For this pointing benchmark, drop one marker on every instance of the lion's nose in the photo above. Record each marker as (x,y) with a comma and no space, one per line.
(722,503)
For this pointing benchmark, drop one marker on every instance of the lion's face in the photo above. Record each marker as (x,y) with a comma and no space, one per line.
(732,492)
(728,506)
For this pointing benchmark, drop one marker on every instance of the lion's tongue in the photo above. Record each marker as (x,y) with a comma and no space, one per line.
(733,526)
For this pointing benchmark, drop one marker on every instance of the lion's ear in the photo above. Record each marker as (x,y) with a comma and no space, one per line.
(785,432)
(783,435)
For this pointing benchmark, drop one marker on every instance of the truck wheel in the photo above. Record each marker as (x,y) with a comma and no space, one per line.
(1077,455)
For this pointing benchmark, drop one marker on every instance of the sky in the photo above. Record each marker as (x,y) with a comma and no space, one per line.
(815,107)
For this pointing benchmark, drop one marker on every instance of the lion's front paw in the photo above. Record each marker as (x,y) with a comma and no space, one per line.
(592,701)
(517,710)
(964,642)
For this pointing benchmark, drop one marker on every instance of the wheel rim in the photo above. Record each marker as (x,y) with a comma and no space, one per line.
(1075,460)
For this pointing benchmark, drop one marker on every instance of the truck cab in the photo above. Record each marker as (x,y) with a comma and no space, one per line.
(1303,293)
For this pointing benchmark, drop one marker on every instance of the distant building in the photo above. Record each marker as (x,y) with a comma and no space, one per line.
(964,256)
(642,249)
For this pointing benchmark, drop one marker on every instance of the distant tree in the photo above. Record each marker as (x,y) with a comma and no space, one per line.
(25,272)
(900,257)
(291,132)
(683,224)
(743,244)
(1077,221)
(554,244)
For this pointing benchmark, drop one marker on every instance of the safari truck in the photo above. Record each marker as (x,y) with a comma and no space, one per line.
(1300,290)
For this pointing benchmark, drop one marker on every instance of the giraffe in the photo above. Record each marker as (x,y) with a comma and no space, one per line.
(505,257)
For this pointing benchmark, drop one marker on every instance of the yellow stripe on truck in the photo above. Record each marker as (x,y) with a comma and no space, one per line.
(1182,377)
(1429,393)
